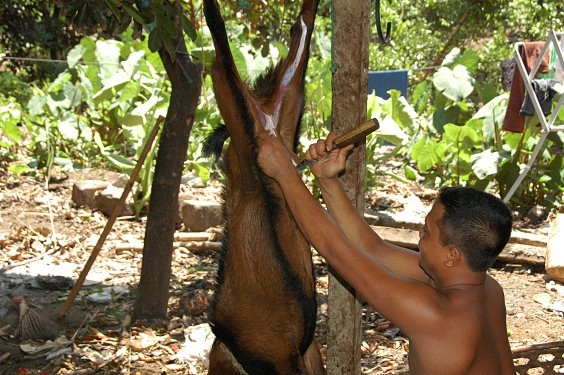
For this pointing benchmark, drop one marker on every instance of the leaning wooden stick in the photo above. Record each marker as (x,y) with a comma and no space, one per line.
(110,223)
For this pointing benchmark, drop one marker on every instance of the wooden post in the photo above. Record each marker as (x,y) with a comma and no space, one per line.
(350,85)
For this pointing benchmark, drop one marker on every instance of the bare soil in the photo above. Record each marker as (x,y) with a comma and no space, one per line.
(45,242)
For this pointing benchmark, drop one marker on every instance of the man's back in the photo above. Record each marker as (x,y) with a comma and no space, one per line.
(470,339)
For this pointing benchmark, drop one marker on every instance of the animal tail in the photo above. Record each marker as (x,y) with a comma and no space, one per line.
(213,145)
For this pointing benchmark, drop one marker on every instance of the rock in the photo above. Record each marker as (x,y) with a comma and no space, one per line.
(198,216)
(83,191)
(121,180)
(537,213)
(107,199)
(554,261)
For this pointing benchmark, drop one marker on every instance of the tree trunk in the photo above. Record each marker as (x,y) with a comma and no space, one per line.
(153,291)
(350,87)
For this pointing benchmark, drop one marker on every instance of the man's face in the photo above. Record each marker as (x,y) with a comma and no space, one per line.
(430,246)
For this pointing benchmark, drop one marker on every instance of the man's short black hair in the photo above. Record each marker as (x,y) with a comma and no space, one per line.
(477,223)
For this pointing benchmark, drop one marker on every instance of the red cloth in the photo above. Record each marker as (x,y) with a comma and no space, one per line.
(529,52)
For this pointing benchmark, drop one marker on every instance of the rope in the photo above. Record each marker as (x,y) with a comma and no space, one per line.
(333,66)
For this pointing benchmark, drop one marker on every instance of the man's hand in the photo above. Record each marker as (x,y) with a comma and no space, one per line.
(273,157)
(331,161)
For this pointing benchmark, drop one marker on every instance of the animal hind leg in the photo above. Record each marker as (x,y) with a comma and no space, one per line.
(288,101)
(313,361)
(220,362)
(232,94)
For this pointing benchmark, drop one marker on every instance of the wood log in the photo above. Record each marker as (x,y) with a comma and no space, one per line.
(554,264)
(513,253)
(193,246)
(399,220)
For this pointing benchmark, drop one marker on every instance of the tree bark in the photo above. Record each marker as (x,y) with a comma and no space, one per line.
(350,87)
(153,292)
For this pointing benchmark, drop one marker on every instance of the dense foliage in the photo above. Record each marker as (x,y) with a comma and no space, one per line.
(36,29)
(447,130)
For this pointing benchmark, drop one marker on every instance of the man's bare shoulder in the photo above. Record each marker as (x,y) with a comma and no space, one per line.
(473,329)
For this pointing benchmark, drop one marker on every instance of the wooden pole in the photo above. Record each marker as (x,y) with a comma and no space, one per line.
(350,86)
(110,223)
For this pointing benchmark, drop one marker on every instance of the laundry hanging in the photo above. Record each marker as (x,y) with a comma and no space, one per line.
(529,52)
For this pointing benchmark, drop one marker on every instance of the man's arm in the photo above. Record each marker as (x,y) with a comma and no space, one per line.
(332,162)
(408,302)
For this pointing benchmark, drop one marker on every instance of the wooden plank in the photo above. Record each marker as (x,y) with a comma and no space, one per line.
(401,220)
(513,253)
(350,86)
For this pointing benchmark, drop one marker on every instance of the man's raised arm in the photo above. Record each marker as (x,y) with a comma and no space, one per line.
(331,164)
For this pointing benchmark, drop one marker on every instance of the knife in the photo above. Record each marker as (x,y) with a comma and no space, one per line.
(352,136)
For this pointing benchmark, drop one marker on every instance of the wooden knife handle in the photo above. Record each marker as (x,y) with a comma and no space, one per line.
(357,133)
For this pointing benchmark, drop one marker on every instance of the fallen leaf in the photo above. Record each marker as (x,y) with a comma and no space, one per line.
(143,341)
(49,346)
(543,298)
(4,357)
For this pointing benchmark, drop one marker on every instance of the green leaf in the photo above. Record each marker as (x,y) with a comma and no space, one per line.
(121,162)
(166,24)
(35,105)
(188,28)
(19,168)
(132,120)
(75,55)
(134,14)
(468,58)
(484,164)
(390,131)
(402,112)
(426,152)
(155,40)
(496,104)
(420,96)
(130,91)
(68,127)
(464,135)
(169,46)
(545,178)
(455,84)
(486,92)
(411,173)
(108,53)
(203,172)
(11,130)
(443,116)
(112,4)
(397,177)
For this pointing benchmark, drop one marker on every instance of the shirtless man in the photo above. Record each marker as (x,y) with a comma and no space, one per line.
(441,296)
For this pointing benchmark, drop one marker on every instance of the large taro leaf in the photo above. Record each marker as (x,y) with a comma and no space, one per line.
(456,84)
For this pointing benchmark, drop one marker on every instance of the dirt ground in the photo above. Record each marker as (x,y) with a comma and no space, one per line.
(45,242)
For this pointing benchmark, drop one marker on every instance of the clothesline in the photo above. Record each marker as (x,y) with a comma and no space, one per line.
(34,59)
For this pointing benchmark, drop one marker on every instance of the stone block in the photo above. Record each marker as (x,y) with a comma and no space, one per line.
(105,201)
(83,191)
(198,216)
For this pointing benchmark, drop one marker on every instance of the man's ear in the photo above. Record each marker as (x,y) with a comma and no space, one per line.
(453,256)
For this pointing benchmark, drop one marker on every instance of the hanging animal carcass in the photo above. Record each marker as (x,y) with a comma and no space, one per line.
(264,308)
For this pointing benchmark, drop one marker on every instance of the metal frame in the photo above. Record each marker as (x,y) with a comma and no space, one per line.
(547,124)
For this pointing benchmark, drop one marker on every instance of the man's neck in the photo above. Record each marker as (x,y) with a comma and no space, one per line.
(467,281)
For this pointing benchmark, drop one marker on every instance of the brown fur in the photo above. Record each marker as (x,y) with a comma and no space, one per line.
(264,310)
